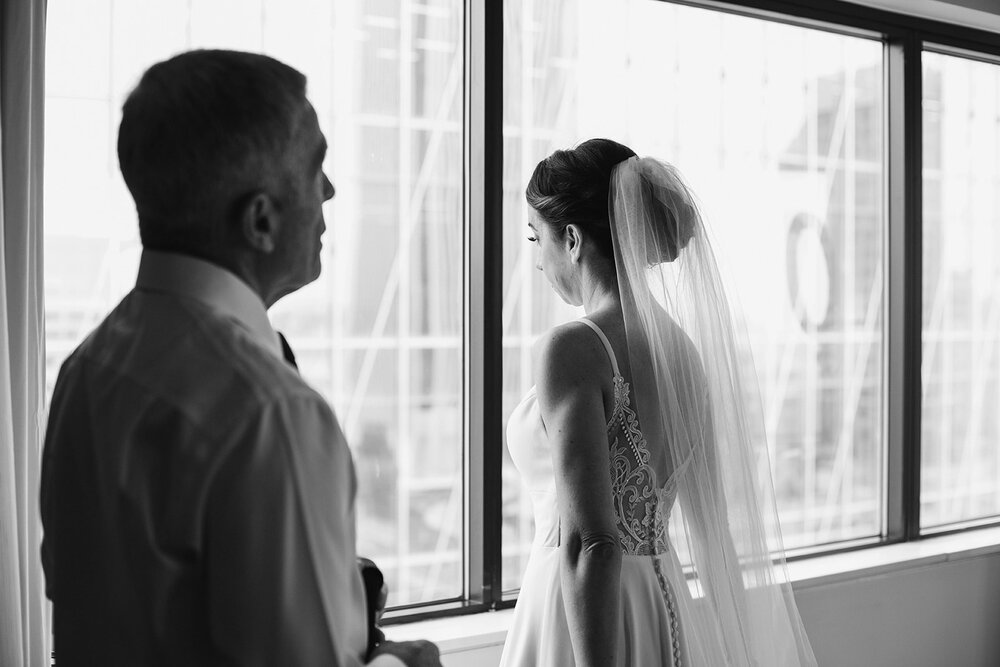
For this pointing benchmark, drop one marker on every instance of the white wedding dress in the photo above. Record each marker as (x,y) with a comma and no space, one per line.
(651,629)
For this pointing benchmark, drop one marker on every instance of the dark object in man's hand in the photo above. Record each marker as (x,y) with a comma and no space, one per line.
(374,581)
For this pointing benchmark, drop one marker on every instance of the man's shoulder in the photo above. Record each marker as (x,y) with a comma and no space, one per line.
(186,355)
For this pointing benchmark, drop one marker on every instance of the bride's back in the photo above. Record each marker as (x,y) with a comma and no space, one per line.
(642,462)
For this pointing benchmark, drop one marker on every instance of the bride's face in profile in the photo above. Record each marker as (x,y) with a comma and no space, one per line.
(553,257)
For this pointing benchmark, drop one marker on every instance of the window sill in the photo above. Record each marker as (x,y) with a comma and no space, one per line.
(823,570)
(475,631)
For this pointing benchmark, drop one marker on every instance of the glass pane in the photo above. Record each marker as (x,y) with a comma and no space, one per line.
(960,401)
(779,131)
(380,333)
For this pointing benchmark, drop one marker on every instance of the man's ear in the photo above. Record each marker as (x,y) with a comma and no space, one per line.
(573,238)
(259,222)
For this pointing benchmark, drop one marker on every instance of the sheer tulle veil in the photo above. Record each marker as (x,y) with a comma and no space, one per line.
(699,406)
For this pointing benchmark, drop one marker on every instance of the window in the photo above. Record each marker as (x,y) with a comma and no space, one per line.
(788,163)
(960,402)
(788,128)
(380,333)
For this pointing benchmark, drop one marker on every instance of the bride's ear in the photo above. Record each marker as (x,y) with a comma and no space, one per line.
(573,239)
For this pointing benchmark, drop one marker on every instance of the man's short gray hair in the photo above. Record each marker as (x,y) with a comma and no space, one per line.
(200,131)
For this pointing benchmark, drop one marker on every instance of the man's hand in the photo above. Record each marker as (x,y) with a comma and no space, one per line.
(420,653)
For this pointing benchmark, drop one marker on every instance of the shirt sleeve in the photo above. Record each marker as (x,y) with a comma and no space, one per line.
(284,586)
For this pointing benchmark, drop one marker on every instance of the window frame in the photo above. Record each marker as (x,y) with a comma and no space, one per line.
(904,39)
(958,49)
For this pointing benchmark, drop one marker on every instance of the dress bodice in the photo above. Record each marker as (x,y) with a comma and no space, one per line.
(532,455)
(641,502)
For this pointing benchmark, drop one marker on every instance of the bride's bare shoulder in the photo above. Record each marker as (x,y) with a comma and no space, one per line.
(571,344)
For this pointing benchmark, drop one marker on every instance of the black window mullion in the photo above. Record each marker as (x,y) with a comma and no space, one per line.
(913,305)
(904,127)
(474,243)
(484,300)
(493,300)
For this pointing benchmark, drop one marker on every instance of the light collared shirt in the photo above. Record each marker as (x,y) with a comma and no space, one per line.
(197,495)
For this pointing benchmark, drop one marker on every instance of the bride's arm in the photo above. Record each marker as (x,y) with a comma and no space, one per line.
(572,409)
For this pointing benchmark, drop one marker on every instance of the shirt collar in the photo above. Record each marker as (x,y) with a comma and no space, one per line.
(219,289)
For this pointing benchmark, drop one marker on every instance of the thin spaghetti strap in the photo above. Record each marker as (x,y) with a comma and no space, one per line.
(607,345)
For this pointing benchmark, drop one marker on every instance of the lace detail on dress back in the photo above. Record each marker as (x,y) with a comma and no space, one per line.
(642,504)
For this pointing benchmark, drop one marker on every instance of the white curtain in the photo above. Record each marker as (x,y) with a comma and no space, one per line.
(24,635)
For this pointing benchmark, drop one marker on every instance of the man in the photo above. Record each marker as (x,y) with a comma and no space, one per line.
(197,494)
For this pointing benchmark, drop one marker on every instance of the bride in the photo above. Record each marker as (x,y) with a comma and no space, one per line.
(648,400)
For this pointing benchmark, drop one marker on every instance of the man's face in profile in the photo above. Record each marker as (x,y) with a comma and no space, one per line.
(306,188)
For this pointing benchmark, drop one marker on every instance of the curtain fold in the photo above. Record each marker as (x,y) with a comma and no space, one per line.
(24,633)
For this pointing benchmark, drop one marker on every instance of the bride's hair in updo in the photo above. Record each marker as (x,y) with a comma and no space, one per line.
(574,187)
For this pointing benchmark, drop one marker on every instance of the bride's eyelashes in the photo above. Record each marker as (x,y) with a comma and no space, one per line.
(532,239)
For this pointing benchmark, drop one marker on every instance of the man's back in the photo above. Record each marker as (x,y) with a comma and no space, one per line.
(197,497)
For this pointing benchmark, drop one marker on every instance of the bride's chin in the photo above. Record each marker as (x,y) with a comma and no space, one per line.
(568,301)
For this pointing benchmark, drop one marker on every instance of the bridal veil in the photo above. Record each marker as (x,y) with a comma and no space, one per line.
(699,404)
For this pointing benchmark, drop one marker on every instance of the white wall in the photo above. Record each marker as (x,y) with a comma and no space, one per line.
(935,615)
